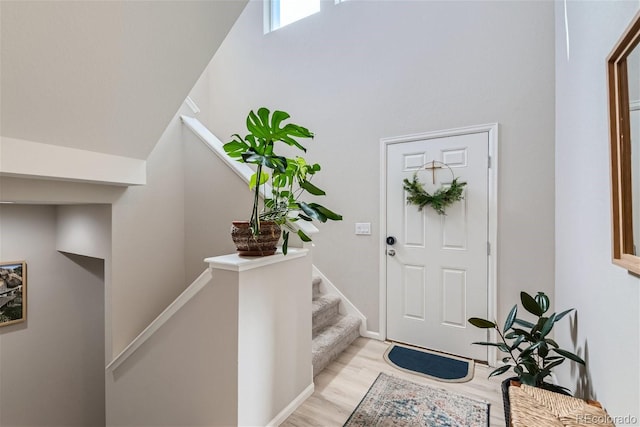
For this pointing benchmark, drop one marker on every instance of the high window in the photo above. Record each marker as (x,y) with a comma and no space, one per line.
(284,12)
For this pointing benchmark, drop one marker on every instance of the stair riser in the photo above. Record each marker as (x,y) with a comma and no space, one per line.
(315,284)
(320,361)
(325,316)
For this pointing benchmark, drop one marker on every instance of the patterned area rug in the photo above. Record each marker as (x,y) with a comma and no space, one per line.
(392,401)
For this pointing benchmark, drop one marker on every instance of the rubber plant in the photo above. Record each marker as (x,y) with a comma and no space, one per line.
(529,350)
(290,178)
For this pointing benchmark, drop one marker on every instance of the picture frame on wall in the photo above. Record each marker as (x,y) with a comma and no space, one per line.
(13,292)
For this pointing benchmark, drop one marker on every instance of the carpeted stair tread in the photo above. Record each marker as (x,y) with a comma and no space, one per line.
(333,339)
(324,310)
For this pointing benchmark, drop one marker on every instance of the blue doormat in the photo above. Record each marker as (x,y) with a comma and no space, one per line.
(430,364)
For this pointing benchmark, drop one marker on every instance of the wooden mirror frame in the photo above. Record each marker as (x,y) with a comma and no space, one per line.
(620,138)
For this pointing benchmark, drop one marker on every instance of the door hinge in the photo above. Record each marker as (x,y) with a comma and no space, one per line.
(488,248)
(489,164)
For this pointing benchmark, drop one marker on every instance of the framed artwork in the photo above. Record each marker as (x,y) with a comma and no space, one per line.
(13,292)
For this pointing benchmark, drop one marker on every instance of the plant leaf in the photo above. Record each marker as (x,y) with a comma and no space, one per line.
(326,212)
(481,323)
(523,323)
(552,342)
(270,130)
(303,236)
(285,241)
(543,301)
(492,344)
(569,355)
(564,313)
(528,379)
(510,318)
(538,326)
(517,342)
(546,328)
(526,334)
(235,148)
(264,177)
(553,364)
(312,188)
(312,212)
(543,350)
(277,118)
(530,304)
(500,370)
(529,350)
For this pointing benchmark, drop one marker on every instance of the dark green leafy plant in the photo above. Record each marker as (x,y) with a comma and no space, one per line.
(439,200)
(531,353)
(290,177)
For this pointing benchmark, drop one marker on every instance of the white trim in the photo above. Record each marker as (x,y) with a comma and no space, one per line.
(291,407)
(492,294)
(27,159)
(234,262)
(203,280)
(382,251)
(492,130)
(192,105)
(241,169)
(346,307)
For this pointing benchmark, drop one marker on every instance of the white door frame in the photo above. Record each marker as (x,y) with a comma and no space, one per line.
(492,129)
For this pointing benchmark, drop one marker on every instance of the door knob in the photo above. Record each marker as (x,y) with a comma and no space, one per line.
(391,252)
(391,240)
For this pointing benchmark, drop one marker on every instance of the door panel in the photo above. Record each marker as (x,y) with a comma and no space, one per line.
(439,275)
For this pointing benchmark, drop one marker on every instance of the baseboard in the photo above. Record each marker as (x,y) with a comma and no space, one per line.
(372,335)
(346,306)
(291,407)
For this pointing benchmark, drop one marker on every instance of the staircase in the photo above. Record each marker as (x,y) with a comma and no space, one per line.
(332,331)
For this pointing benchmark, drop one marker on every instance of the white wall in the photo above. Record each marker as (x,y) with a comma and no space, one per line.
(84,230)
(274,337)
(52,365)
(103,76)
(213,197)
(148,243)
(185,374)
(606,330)
(363,70)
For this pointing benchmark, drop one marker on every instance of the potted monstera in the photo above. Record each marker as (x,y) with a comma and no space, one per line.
(527,346)
(286,182)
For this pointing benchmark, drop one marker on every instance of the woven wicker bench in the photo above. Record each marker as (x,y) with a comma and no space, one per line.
(536,407)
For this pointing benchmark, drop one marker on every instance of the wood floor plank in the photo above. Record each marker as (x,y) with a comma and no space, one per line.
(341,385)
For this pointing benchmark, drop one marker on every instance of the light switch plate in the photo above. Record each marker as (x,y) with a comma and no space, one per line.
(363,228)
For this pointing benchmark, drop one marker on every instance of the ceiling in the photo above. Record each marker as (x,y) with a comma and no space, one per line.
(103,76)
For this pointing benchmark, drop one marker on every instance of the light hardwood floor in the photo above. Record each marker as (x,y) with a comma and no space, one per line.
(341,385)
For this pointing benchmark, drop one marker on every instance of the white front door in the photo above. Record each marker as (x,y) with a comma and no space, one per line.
(437,269)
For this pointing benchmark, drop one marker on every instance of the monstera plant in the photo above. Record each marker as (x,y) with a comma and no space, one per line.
(286,182)
(529,350)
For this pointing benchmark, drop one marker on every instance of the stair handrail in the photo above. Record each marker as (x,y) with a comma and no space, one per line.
(190,292)
(241,169)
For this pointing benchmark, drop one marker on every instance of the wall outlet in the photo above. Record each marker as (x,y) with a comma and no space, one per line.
(363,228)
